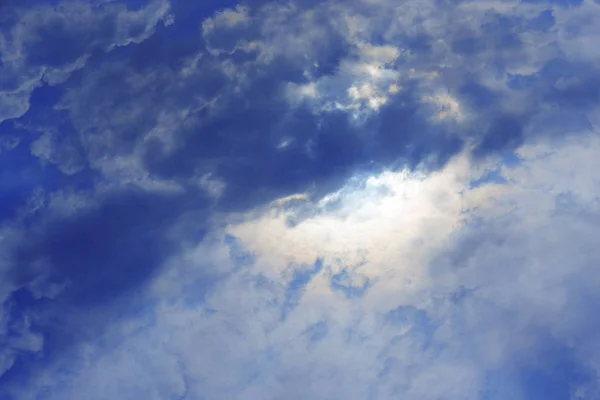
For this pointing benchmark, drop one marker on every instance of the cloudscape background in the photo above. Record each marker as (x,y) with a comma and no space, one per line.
(299,199)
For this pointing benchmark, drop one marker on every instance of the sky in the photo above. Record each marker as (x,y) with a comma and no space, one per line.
(299,199)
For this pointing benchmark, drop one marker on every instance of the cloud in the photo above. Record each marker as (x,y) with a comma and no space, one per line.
(303,200)
(44,44)
(327,85)
(492,305)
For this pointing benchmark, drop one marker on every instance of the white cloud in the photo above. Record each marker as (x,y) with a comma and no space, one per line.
(65,155)
(13,105)
(448,106)
(384,220)
(517,257)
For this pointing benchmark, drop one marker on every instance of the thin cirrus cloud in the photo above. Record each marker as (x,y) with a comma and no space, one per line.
(361,200)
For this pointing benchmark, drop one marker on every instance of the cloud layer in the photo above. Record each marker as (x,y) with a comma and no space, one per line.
(328,200)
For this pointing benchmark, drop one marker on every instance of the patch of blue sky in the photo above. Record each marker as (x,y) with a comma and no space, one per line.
(352,286)
(301,277)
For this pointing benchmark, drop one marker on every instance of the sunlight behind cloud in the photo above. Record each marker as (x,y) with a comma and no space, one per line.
(390,222)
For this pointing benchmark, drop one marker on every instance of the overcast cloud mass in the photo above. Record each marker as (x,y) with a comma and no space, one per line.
(299,199)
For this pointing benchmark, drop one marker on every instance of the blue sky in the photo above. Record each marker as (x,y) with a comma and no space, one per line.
(358,199)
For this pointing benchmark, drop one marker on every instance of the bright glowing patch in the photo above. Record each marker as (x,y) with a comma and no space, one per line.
(389,224)
(285,200)
(393,88)
(368,94)
(228,18)
(378,54)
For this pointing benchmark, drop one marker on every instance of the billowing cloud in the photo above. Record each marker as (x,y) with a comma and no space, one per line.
(305,199)
(397,283)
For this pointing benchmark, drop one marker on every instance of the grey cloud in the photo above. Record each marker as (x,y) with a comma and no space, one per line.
(46,43)
(198,96)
